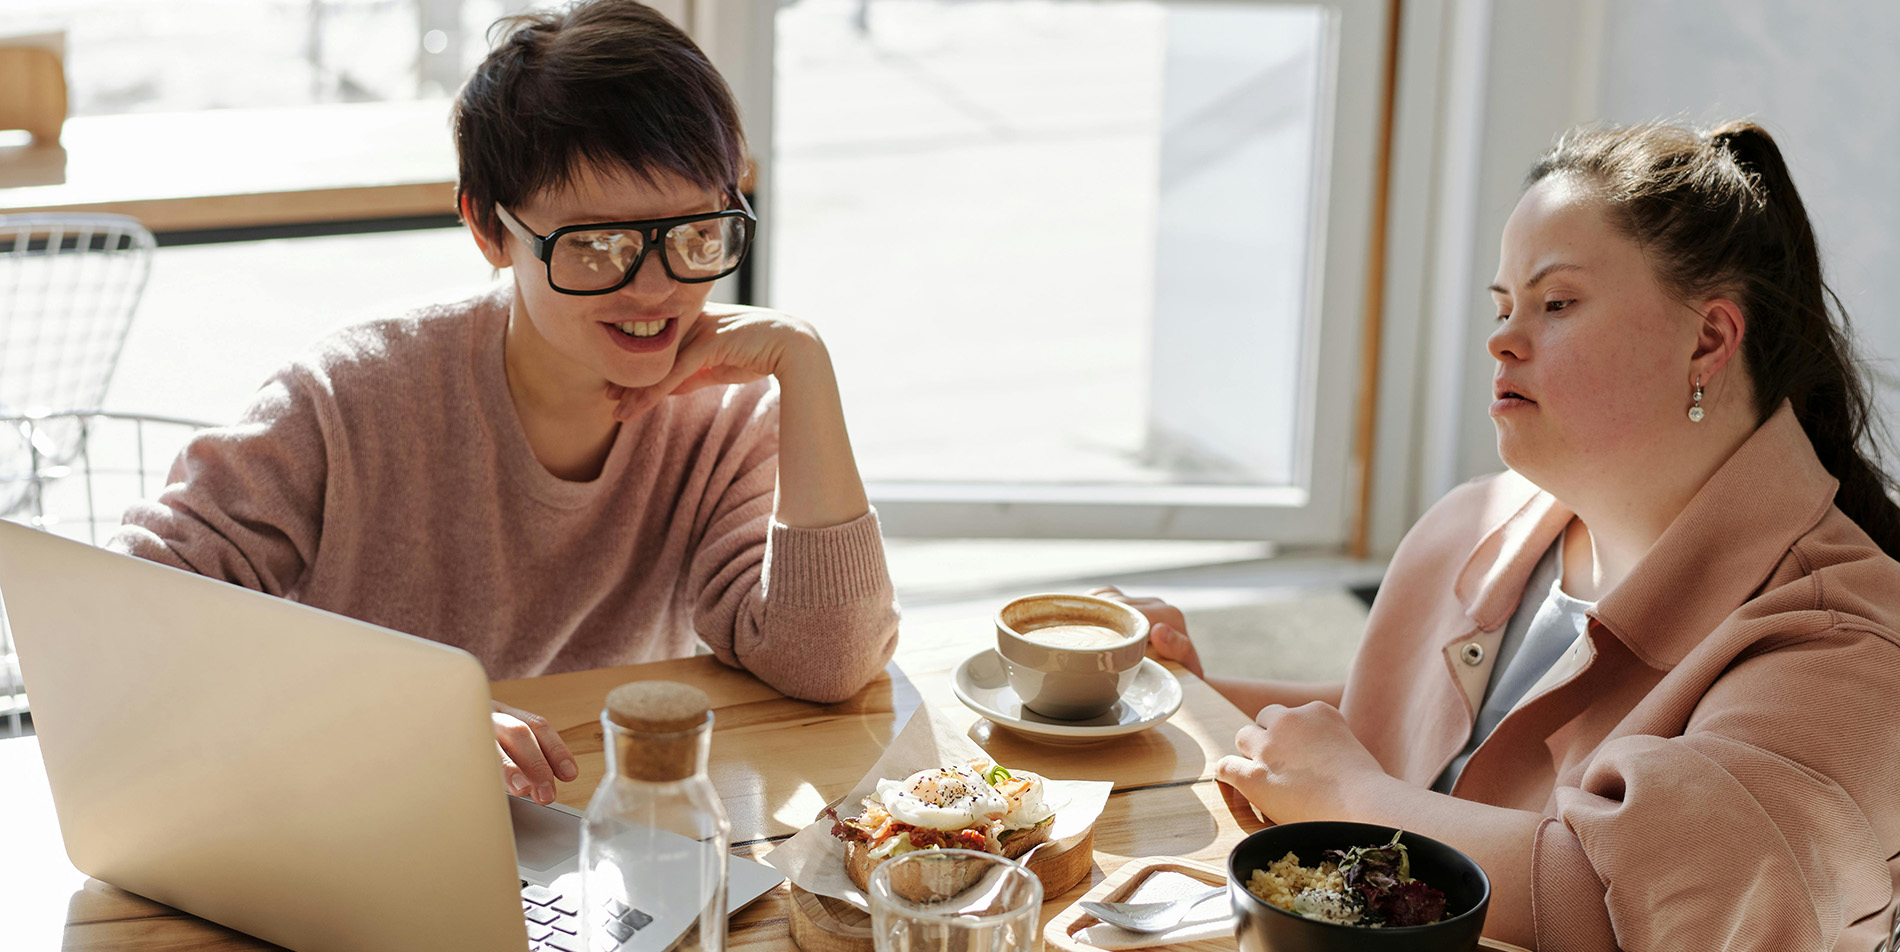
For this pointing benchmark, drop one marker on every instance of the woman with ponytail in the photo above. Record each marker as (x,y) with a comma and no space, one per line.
(1647,677)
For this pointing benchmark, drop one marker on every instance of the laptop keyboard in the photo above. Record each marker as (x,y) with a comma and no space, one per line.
(554,922)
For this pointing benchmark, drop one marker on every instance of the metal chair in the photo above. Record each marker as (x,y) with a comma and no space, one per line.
(68,287)
(122,458)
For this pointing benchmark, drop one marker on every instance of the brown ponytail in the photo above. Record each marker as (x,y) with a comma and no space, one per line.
(1718,214)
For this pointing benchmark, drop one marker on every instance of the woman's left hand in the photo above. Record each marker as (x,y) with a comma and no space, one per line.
(729,343)
(1301,763)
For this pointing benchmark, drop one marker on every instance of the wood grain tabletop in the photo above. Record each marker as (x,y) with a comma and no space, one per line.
(775,761)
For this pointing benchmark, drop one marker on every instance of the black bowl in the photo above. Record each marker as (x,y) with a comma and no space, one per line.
(1263,927)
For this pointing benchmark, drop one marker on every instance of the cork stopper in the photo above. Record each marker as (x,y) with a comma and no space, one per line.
(663,719)
(658,707)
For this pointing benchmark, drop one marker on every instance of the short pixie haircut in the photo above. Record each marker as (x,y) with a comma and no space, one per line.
(607,83)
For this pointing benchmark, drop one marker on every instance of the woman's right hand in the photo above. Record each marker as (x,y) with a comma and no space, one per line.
(533,755)
(1167,628)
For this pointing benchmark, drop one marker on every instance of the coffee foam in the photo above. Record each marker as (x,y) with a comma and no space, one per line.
(1075,636)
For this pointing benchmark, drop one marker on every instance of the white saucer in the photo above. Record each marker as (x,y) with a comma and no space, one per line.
(982,685)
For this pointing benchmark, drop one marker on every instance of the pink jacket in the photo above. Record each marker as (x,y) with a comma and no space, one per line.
(1716,765)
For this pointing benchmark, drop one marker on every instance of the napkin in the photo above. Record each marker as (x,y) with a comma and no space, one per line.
(813,859)
(1209,920)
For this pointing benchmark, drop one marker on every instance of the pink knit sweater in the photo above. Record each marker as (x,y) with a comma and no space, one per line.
(386,477)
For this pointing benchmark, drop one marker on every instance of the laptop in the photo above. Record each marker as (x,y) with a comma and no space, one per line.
(229,753)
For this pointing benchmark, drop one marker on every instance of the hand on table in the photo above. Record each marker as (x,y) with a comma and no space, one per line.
(532,753)
(729,343)
(1301,763)
(1167,628)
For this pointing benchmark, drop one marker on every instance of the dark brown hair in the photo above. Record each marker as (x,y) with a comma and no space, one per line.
(1716,214)
(610,83)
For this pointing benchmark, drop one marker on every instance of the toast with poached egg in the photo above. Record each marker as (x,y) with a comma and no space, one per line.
(978,805)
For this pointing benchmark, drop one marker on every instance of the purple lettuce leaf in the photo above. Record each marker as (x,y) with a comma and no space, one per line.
(1381,877)
(1408,904)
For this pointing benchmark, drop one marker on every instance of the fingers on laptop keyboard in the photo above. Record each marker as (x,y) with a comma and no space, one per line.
(533,753)
(523,778)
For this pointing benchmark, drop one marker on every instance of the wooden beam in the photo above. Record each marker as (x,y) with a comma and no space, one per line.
(1365,428)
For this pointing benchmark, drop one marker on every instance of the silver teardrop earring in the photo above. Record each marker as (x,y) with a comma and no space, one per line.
(1695,412)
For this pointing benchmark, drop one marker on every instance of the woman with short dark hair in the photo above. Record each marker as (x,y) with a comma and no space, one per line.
(1647,677)
(589,465)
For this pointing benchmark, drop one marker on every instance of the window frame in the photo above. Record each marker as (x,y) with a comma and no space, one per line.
(1314,512)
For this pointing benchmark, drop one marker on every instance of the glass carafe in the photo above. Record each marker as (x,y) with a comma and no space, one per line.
(654,848)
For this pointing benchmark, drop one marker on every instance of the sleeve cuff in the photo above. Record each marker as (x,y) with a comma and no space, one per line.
(1568,905)
(814,568)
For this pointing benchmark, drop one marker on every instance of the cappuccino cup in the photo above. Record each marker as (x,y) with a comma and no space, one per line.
(1070,657)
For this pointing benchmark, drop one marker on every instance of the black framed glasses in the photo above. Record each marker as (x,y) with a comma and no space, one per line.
(602,257)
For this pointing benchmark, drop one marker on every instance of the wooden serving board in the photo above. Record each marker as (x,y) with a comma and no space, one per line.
(1059,933)
(824,924)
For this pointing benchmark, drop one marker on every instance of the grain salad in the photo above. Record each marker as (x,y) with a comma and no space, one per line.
(1368,886)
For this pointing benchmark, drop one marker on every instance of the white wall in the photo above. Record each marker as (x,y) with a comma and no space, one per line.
(1483,89)
(1487,85)
(1822,78)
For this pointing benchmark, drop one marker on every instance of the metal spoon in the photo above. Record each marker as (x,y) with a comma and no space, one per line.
(1149,916)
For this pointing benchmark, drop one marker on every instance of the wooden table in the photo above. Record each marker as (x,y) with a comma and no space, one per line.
(1165,801)
(239,170)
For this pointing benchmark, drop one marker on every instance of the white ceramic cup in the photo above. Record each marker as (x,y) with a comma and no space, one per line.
(1084,660)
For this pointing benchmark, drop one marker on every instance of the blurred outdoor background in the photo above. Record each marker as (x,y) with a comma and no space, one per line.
(1095,273)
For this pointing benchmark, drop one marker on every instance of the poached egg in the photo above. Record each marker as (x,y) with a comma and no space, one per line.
(943,798)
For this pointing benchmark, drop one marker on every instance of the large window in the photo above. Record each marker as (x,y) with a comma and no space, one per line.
(1087,268)
(182,55)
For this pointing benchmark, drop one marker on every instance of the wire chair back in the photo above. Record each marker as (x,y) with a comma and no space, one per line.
(120,458)
(69,284)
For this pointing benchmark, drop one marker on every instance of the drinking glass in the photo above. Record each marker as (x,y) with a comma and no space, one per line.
(963,901)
